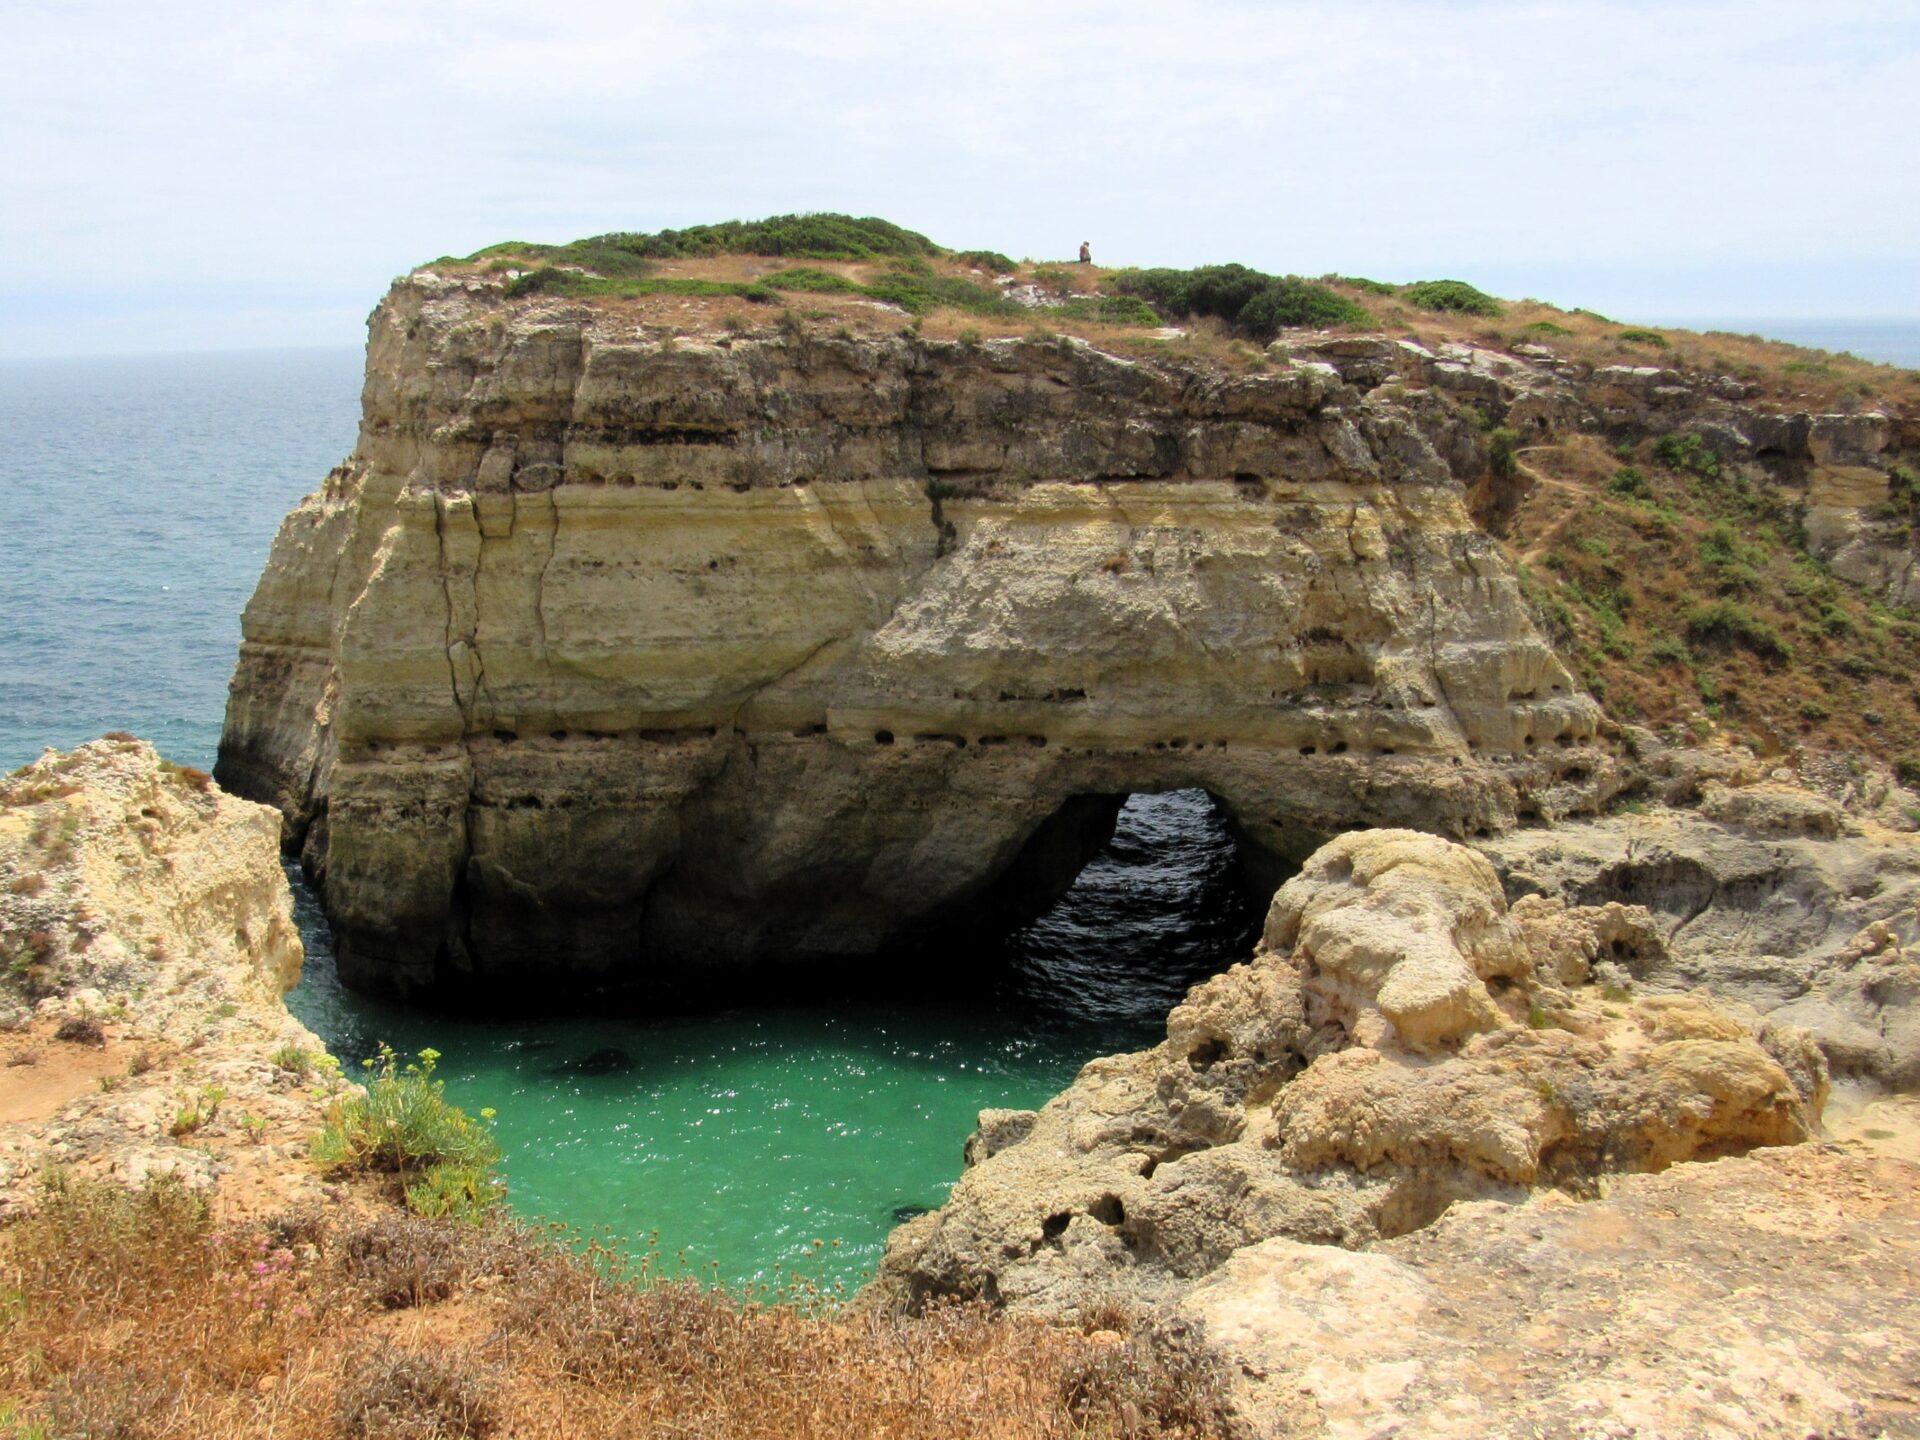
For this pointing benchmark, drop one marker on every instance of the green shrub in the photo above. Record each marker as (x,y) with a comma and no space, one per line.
(920,291)
(1728,623)
(1454,296)
(1645,337)
(1737,563)
(1360,282)
(1257,304)
(1547,327)
(806,278)
(991,260)
(804,237)
(1668,650)
(1907,770)
(404,1126)
(1688,453)
(1109,310)
(1628,480)
(1503,452)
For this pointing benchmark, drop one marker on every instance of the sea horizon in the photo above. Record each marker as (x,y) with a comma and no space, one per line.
(1880,340)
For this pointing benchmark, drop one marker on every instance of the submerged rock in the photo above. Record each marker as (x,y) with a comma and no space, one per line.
(1402,1040)
(609,1061)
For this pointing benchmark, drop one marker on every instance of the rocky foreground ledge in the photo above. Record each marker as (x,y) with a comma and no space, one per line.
(1415,1169)
(148,937)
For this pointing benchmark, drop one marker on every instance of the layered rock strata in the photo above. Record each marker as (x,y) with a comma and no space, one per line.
(610,659)
(147,933)
(1402,1041)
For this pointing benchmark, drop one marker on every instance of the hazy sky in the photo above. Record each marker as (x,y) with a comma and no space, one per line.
(207,173)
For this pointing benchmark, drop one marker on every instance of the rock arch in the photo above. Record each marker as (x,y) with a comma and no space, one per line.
(605,662)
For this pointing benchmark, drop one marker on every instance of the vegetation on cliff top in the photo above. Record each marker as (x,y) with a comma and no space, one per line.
(1257,305)
(913,273)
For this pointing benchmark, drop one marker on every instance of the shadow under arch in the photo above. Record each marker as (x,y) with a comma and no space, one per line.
(1116,905)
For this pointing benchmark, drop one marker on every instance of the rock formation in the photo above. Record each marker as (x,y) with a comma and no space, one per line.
(613,659)
(148,936)
(1402,1040)
(1766,1296)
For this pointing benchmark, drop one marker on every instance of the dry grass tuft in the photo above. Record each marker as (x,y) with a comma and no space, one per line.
(396,1394)
(127,1314)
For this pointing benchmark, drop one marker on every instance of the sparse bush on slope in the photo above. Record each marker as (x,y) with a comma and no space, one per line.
(1257,304)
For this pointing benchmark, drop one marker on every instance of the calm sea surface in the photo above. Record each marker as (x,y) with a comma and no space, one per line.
(140,496)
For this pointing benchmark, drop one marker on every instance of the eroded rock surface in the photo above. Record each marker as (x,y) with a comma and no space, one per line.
(608,658)
(1402,1040)
(1769,1296)
(1769,896)
(148,936)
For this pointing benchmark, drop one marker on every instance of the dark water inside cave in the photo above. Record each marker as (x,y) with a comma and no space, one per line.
(139,496)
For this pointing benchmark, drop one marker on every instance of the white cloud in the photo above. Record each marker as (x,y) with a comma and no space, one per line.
(155,154)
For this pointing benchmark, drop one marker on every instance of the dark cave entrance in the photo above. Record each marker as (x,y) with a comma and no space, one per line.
(1171,894)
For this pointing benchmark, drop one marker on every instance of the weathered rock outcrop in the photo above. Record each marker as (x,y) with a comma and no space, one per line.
(148,936)
(1401,1041)
(1772,1295)
(1766,895)
(610,658)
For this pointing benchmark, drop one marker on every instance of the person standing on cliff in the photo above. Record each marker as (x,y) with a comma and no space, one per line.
(1086,253)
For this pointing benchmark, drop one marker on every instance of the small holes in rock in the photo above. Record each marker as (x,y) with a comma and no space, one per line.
(1054,1226)
(883,737)
(1207,1054)
(1108,1210)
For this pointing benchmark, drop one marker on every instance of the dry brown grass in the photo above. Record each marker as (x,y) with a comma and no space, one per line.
(129,1316)
(1616,578)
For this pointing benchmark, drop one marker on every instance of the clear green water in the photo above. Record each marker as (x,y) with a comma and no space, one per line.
(761,1145)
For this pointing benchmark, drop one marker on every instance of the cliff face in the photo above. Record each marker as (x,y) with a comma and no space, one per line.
(614,659)
(147,936)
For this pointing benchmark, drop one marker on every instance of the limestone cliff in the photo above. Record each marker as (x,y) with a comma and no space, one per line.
(610,658)
(147,932)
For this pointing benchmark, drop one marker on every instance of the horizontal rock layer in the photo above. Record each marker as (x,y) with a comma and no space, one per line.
(607,660)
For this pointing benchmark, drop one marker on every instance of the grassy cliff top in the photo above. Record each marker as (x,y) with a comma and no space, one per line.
(859,272)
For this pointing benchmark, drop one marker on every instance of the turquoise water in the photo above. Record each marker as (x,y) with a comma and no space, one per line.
(140,496)
(744,1138)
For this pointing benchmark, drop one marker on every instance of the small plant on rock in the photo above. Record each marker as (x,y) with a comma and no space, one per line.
(403,1126)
